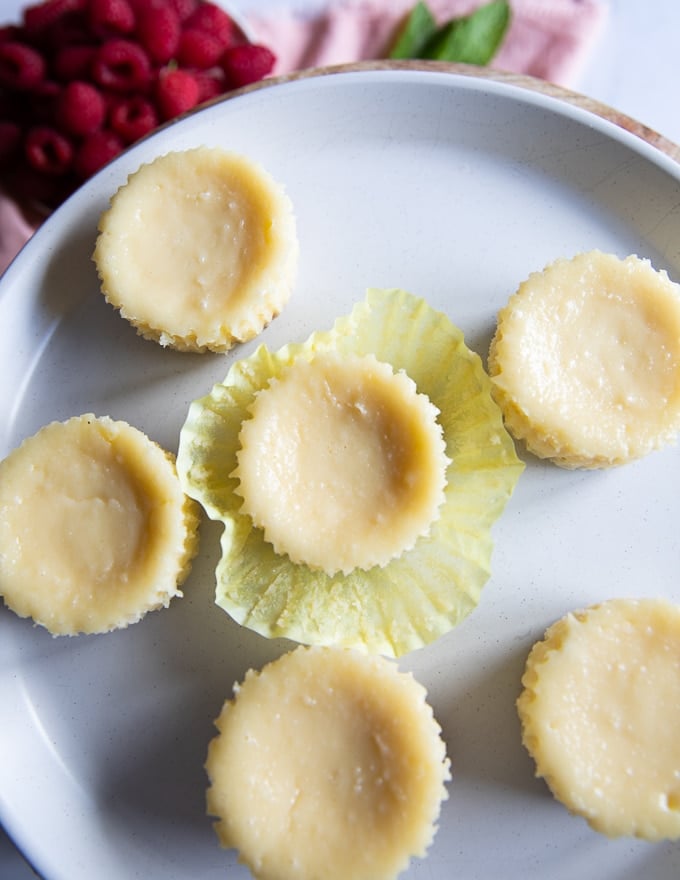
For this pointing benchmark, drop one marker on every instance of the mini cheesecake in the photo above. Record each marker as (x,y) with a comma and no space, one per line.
(585,361)
(328,763)
(198,249)
(600,713)
(342,463)
(95,530)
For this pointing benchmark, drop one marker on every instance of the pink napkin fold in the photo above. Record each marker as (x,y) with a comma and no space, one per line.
(14,231)
(548,39)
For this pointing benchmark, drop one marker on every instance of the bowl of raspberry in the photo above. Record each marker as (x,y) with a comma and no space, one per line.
(81,80)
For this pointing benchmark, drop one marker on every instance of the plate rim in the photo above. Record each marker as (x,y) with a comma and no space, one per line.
(537,91)
(489,75)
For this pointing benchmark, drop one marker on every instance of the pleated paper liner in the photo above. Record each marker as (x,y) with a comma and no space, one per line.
(416,597)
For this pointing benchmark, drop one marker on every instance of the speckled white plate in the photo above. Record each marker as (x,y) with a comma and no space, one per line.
(454,187)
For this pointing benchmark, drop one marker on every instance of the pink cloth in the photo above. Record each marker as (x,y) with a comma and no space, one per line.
(14,231)
(549,39)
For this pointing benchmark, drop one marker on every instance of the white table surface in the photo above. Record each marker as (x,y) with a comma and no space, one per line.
(635,69)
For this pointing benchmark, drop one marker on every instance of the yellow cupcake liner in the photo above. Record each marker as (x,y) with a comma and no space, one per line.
(429,589)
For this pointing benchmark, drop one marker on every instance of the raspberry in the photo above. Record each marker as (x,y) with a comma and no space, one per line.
(246,64)
(210,85)
(131,118)
(10,141)
(31,187)
(40,17)
(183,8)
(47,150)
(44,91)
(176,92)
(122,66)
(31,108)
(43,99)
(110,17)
(73,62)
(70,30)
(198,49)
(81,79)
(80,109)
(10,32)
(21,67)
(158,30)
(95,151)
(210,18)
(11,104)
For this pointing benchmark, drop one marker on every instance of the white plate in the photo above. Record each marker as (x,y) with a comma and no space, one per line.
(455,188)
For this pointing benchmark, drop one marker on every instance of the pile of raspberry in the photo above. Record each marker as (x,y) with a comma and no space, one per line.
(80,80)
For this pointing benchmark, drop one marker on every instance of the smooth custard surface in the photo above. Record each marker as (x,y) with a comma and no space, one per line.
(600,714)
(342,462)
(328,763)
(94,528)
(198,250)
(586,360)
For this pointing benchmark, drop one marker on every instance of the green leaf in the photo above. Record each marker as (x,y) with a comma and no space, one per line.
(474,39)
(418,29)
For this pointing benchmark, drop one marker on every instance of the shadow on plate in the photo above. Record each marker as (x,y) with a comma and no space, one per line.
(192,654)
